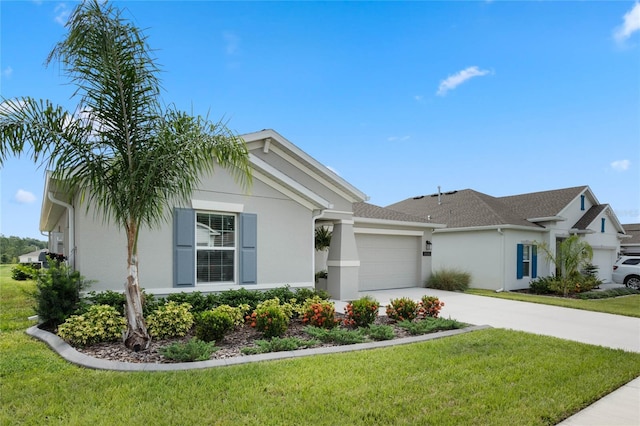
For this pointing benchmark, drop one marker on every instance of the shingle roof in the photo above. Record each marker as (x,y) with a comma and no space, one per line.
(632,229)
(461,209)
(371,211)
(590,216)
(543,203)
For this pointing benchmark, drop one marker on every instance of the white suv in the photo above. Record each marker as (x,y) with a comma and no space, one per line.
(627,271)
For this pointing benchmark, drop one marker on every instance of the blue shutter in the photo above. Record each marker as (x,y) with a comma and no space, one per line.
(603,220)
(248,248)
(184,256)
(519,265)
(582,202)
(534,261)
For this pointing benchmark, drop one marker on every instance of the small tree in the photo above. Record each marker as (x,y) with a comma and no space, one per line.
(120,151)
(571,255)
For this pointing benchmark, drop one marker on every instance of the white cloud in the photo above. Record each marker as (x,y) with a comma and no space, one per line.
(457,79)
(62,13)
(398,138)
(24,197)
(7,72)
(630,24)
(232,42)
(418,98)
(620,165)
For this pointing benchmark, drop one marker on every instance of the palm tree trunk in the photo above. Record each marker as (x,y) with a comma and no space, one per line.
(137,338)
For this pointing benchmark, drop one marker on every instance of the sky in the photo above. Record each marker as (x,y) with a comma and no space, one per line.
(398,98)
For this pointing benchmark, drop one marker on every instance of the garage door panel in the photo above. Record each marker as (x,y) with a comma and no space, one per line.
(388,261)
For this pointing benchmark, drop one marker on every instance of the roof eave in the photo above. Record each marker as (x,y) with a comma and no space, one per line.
(389,222)
(492,227)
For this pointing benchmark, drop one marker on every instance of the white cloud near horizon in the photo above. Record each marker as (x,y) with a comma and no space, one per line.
(460,77)
(62,13)
(620,165)
(630,24)
(7,72)
(24,197)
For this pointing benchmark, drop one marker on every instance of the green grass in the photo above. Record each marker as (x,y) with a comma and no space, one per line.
(625,305)
(485,377)
(15,304)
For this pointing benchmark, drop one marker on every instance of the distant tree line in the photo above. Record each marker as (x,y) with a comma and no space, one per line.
(12,247)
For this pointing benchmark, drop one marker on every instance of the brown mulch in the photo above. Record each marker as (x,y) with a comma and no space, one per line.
(229,347)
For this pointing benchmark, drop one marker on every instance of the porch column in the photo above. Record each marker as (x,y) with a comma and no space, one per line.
(343,262)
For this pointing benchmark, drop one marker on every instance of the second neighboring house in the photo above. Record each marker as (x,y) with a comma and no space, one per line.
(630,246)
(32,257)
(495,238)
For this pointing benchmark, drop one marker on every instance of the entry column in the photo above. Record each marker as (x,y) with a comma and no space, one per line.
(343,262)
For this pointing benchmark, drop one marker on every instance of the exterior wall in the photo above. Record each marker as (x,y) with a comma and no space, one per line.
(285,242)
(489,255)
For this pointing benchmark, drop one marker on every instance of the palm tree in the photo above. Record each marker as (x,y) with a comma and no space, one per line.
(120,150)
(571,254)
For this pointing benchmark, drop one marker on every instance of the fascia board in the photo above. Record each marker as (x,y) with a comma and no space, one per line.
(547,219)
(397,223)
(271,175)
(45,209)
(338,184)
(490,228)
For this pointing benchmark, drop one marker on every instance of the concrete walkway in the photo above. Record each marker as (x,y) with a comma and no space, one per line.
(621,407)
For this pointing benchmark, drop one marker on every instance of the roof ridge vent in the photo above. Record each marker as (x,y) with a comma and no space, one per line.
(419,197)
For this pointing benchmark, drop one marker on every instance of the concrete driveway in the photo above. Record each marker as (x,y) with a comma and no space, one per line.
(614,331)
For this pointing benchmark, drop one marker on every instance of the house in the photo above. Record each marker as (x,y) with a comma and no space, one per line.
(32,257)
(495,238)
(225,238)
(630,246)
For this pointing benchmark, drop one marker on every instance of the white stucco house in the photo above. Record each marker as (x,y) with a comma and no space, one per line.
(494,238)
(226,238)
(630,246)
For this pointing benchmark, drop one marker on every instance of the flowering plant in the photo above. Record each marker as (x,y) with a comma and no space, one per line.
(430,306)
(402,309)
(321,314)
(361,313)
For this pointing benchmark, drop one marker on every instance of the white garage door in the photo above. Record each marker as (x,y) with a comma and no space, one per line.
(388,261)
(604,260)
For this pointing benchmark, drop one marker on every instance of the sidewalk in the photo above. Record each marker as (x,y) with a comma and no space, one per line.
(619,408)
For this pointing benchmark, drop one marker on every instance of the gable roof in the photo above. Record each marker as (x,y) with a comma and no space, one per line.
(590,216)
(371,211)
(462,209)
(543,203)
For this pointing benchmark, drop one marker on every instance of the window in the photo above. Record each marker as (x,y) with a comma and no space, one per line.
(215,247)
(526,261)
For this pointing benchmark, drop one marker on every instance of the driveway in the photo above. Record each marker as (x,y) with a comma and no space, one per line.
(614,331)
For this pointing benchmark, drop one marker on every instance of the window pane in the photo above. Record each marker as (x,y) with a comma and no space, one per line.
(215,230)
(215,265)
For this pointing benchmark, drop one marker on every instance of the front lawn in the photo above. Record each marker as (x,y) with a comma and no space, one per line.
(624,305)
(492,376)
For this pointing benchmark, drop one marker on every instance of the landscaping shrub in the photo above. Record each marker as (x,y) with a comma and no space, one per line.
(340,336)
(101,323)
(429,325)
(542,285)
(198,301)
(402,309)
(321,314)
(361,313)
(278,344)
(605,294)
(213,325)
(271,318)
(109,297)
(170,320)
(238,297)
(57,293)
(450,280)
(430,306)
(379,332)
(23,272)
(193,350)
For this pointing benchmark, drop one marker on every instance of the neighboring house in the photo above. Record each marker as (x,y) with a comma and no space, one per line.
(225,238)
(630,246)
(33,257)
(495,238)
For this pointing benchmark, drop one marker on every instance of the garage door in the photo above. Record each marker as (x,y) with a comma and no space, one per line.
(604,260)
(388,261)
